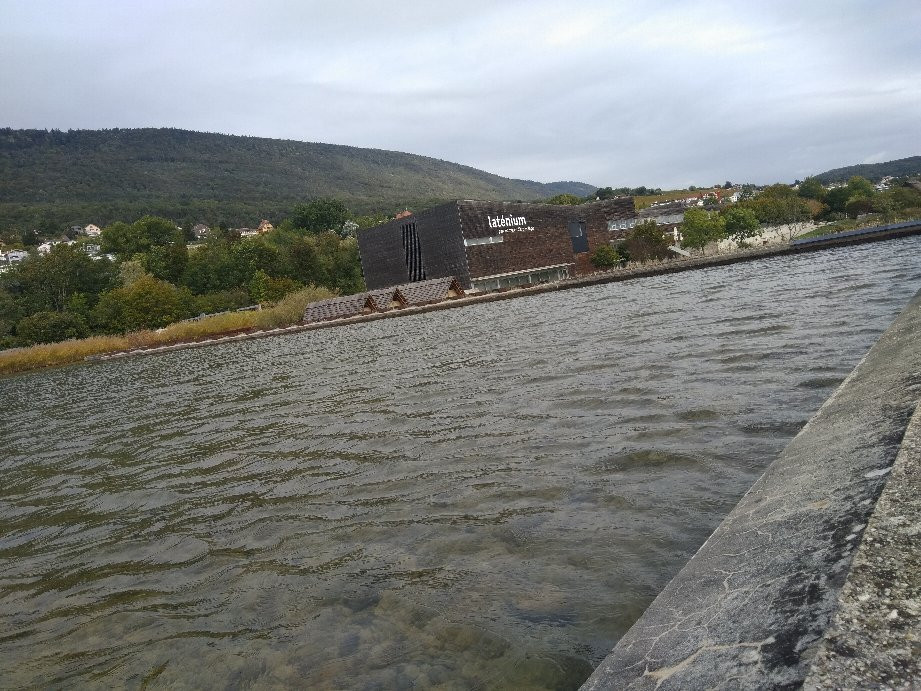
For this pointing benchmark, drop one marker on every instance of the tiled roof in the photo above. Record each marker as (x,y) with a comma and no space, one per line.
(433,290)
(382,300)
(419,293)
(335,308)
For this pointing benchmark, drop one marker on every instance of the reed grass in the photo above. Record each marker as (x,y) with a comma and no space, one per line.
(288,311)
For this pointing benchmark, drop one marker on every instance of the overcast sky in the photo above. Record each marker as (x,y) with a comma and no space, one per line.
(657,93)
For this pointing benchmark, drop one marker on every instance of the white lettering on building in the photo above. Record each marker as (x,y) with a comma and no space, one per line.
(509,224)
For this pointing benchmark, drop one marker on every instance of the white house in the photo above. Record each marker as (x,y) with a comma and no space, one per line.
(7,259)
(93,231)
(14,256)
(44,248)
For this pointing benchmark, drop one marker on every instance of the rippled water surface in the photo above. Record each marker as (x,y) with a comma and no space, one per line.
(486,496)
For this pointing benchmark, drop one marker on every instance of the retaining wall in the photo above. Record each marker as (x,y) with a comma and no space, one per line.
(756,606)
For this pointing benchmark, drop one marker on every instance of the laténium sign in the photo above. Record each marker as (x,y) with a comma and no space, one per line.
(509,224)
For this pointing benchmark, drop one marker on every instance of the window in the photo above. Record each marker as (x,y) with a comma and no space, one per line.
(412,250)
(482,241)
(577,236)
(621,224)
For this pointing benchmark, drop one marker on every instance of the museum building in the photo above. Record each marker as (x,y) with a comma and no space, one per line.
(492,245)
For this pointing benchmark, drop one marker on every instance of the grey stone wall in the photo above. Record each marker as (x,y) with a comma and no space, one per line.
(751,608)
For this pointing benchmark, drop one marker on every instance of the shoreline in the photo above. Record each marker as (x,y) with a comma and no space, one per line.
(601,277)
(676,265)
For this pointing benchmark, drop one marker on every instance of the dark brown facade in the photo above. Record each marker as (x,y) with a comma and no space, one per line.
(490,245)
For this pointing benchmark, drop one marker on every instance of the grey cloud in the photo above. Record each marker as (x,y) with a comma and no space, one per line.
(610,94)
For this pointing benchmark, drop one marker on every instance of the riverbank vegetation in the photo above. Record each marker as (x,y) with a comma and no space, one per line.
(286,312)
(858,203)
(146,275)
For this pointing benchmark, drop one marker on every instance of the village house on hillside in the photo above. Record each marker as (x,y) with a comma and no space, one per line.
(45,247)
(263,228)
(93,231)
(7,259)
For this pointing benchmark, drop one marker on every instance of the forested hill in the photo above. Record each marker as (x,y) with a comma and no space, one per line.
(873,171)
(82,176)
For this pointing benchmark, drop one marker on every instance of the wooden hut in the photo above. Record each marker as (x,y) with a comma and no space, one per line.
(384,300)
(428,292)
(336,308)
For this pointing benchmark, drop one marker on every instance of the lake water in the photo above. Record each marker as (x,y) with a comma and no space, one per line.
(481,497)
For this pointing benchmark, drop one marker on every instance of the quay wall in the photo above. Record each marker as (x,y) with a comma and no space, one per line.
(776,598)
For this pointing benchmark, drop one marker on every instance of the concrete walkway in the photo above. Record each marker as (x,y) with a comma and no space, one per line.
(875,639)
(776,597)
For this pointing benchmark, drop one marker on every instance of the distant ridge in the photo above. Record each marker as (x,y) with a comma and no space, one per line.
(873,171)
(54,177)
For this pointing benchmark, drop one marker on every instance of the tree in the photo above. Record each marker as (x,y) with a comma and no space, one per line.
(778,205)
(45,283)
(857,205)
(148,303)
(371,220)
(837,198)
(885,205)
(565,200)
(741,223)
(811,188)
(747,191)
(9,314)
(646,242)
(166,262)
(140,237)
(50,327)
(700,228)
(304,261)
(605,257)
(610,193)
(264,288)
(320,215)
(904,197)
(249,256)
(348,229)
(861,187)
(345,266)
(131,271)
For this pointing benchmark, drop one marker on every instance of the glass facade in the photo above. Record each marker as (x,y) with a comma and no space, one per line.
(522,278)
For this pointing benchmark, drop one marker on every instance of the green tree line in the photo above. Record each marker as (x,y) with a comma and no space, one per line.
(155,277)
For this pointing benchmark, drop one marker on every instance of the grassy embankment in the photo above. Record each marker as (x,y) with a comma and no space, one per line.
(288,311)
(854,224)
(642,202)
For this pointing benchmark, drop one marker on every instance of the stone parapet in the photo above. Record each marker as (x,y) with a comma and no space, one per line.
(755,607)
